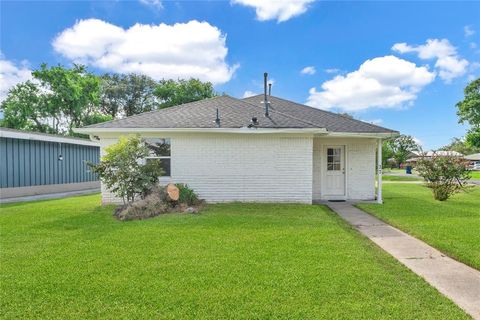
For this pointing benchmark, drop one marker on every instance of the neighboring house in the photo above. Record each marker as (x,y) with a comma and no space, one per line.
(473,161)
(230,149)
(429,154)
(37,163)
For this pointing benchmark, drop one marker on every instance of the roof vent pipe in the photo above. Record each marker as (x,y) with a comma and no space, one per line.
(270,89)
(265,100)
(217,119)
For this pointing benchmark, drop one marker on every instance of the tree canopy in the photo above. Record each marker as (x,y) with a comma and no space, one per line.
(172,93)
(401,147)
(59,99)
(56,100)
(468,110)
(459,145)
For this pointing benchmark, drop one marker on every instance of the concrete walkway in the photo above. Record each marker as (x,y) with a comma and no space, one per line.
(50,196)
(455,280)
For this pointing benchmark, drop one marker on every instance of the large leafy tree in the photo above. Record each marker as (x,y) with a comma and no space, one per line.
(468,110)
(71,94)
(401,147)
(171,92)
(461,146)
(127,94)
(25,109)
(57,100)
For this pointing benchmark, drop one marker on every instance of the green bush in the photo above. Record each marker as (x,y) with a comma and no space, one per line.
(123,170)
(445,175)
(187,195)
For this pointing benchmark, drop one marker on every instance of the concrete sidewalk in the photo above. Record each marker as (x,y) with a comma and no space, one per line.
(455,280)
(50,196)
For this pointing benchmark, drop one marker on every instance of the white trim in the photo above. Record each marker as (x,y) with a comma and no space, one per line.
(244,130)
(93,131)
(379,172)
(42,137)
(383,135)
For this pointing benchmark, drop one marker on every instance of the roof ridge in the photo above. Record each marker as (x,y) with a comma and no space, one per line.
(282,113)
(330,112)
(153,111)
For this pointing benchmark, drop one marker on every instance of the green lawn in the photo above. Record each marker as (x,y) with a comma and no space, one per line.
(475,175)
(452,226)
(400,178)
(69,259)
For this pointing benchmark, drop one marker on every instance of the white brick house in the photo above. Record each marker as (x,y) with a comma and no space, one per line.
(231,149)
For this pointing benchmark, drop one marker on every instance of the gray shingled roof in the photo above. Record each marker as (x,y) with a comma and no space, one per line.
(333,122)
(233,113)
(237,113)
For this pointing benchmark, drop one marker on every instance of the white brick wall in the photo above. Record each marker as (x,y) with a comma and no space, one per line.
(262,168)
(235,167)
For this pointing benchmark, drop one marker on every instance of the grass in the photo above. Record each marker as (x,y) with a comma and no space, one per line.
(451,226)
(69,259)
(400,178)
(475,175)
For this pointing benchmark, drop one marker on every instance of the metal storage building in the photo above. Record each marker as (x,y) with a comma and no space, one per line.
(36,163)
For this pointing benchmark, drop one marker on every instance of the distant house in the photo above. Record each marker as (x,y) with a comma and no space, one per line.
(473,161)
(262,148)
(36,163)
(429,154)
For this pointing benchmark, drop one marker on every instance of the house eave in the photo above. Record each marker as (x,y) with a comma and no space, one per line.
(373,135)
(48,138)
(245,130)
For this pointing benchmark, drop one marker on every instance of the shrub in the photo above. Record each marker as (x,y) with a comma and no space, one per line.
(156,203)
(445,175)
(187,195)
(123,170)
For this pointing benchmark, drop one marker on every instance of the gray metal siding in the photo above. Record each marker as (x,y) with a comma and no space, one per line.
(26,163)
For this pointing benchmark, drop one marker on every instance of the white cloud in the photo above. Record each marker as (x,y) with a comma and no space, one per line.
(11,74)
(448,63)
(248,93)
(468,31)
(182,50)
(281,10)
(332,70)
(383,82)
(451,67)
(155,4)
(310,70)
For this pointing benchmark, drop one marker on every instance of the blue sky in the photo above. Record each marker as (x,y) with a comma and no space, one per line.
(400,64)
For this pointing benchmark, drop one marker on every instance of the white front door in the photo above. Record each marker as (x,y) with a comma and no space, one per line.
(334,171)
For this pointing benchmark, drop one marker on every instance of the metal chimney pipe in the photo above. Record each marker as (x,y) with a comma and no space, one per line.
(270,89)
(265,99)
(217,119)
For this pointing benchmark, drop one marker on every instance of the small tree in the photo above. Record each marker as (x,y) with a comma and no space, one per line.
(445,175)
(123,170)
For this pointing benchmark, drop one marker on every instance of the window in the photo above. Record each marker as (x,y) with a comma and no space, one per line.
(159,151)
(333,159)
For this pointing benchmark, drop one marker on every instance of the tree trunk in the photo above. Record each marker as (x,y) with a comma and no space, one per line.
(172,192)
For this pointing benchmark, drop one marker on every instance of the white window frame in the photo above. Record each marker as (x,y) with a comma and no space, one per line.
(161,157)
